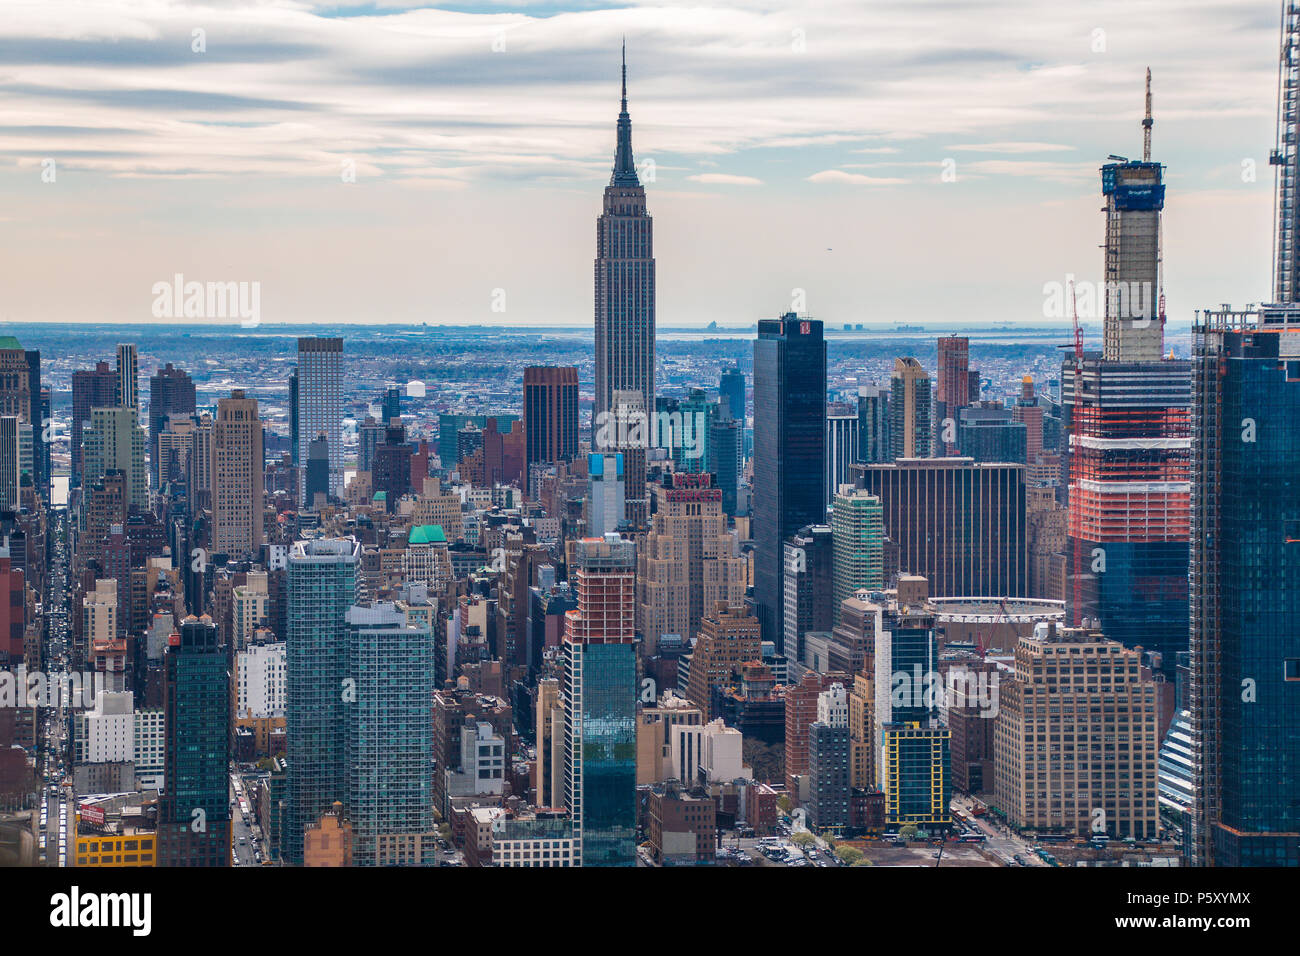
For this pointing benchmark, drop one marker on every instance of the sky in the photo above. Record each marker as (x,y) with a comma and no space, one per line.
(856,160)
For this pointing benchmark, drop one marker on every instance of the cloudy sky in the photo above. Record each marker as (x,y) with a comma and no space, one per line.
(394,161)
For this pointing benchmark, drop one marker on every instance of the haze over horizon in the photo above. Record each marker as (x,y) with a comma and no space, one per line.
(946,176)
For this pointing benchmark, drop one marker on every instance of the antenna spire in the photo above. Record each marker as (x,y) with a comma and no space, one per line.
(1147,123)
(625,74)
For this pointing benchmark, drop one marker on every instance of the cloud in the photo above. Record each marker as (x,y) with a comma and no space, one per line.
(854,179)
(1010,148)
(725,179)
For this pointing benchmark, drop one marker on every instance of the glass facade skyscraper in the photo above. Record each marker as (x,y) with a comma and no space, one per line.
(600,694)
(1245,588)
(322,586)
(194,808)
(320,406)
(789,453)
(390,729)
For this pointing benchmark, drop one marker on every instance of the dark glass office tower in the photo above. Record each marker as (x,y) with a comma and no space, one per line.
(789,453)
(392,404)
(726,453)
(731,388)
(194,808)
(1245,588)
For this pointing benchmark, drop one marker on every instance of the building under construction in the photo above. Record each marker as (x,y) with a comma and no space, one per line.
(1127,416)
(1244,697)
(1245,588)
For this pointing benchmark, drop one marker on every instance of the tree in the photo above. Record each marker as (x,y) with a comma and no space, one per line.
(908,832)
(803,838)
(850,855)
(784,804)
(864,862)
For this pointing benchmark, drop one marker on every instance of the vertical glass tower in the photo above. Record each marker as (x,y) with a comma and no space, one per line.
(1245,588)
(390,733)
(789,453)
(600,693)
(322,586)
(320,406)
(194,808)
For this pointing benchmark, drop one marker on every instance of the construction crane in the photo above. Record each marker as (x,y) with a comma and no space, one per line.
(1284,156)
(1147,123)
(1074,428)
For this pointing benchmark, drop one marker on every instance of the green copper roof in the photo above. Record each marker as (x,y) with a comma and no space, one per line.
(9,342)
(428,534)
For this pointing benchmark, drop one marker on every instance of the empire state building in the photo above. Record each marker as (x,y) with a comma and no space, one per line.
(625,313)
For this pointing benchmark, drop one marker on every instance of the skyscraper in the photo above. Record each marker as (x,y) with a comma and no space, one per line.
(115,440)
(828,761)
(390,727)
(171,392)
(193,808)
(1134,323)
(600,693)
(550,414)
(127,389)
(1127,418)
(688,562)
(1245,562)
(953,391)
(605,494)
(956,522)
(841,447)
(91,388)
(858,532)
(38,418)
(624,286)
(789,453)
(1074,684)
(726,454)
(322,586)
(910,431)
(731,388)
(989,432)
(320,407)
(237,476)
(809,575)
(873,424)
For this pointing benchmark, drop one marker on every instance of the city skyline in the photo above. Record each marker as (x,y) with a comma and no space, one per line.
(770,138)
(814,583)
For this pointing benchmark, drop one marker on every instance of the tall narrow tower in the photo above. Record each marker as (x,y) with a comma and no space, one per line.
(1127,419)
(625,289)
(1134,191)
(1286,156)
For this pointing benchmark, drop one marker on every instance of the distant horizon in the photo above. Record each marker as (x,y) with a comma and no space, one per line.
(397,158)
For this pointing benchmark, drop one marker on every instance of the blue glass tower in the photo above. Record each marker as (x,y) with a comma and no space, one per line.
(193,811)
(789,453)
(322,586)
(1245,588)
(390,728)
(600,693)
